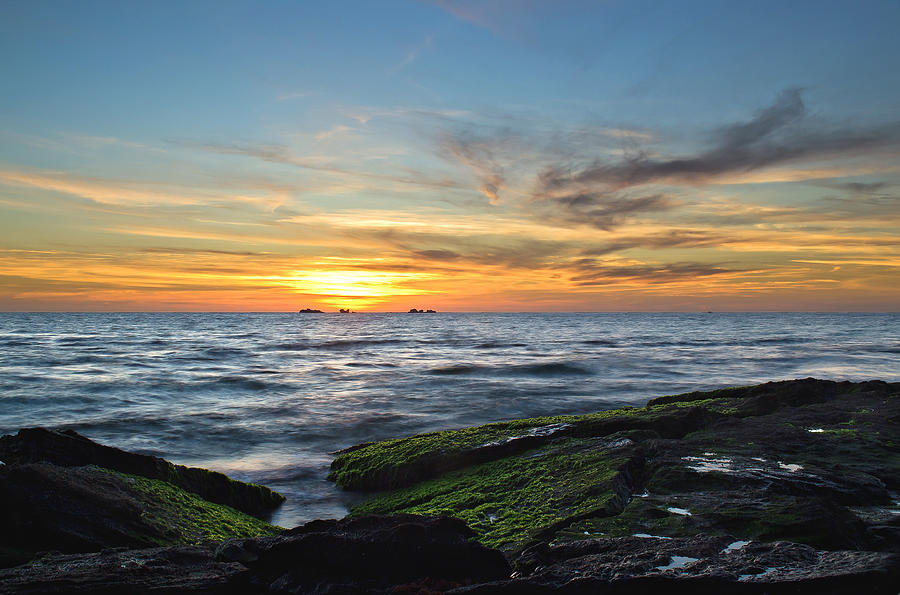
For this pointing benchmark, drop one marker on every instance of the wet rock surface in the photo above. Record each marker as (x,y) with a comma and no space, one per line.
(808,460)
(49,506)
(397,554)
(787,487)
(815,463)
(44,507)
(702,564)
(68,448)
(188,569)
(368,554)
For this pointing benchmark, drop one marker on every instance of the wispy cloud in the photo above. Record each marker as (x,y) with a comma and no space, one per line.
(592,272)
(132,193)
(776,135)
(99,190)
(412,54)
(339,130)
(496,16)
(282,154)
(581,177)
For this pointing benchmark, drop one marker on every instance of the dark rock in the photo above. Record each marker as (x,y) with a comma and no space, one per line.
(701,564)
(114,572)
(68,448)
(44,507)
(810,461)
(81,509)
(372,555)
(366,554)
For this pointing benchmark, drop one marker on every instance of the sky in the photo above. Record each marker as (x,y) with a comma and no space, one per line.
(489,155)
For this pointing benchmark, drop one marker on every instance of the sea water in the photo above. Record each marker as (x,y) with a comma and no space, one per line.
(269,397)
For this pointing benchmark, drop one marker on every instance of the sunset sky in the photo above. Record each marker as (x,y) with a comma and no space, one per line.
(459,155)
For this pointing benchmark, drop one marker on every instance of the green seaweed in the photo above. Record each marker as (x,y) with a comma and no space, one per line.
(565,486)
(184,518)
(509,501)
(845,432)
(401,462)
(395,460)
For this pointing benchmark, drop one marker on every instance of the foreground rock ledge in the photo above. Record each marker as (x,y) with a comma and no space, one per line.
(67,448)
(810,461)
(785,487)
(61,491)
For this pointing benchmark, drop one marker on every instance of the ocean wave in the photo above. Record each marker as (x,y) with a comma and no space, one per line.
(452,370)
(224,351)
(85,359)
(18,343)
(777,341)
(293,346)
(553,369)
(243,382)
(497,345)
(351,343)
(543,369)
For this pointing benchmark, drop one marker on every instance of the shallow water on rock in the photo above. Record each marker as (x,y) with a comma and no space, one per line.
(268,397)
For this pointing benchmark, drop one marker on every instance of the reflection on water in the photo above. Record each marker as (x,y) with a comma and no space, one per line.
(268,397)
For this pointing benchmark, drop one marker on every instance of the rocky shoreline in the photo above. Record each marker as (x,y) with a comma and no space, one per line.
(785,487)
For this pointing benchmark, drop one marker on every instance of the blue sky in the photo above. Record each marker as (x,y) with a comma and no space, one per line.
(329,140)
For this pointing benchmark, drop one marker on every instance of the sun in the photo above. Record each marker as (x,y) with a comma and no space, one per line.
(355,288)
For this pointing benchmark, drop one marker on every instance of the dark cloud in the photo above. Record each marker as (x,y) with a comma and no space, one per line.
(681,238)
(776,135)
(201,251)
(597,175)
(862,187)
(601,210)
(442,255)
(593,272)
(480,249)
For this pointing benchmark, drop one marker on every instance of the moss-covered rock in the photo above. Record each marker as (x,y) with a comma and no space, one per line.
(80,509)
(402,462)
(785,460)
(518,498)
(185,518)
(68,448)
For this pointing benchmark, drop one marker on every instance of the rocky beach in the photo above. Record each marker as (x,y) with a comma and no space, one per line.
(783,487)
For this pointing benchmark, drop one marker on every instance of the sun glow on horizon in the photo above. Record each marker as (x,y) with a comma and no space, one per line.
(355,288)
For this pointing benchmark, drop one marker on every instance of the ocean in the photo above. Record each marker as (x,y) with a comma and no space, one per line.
(269,397)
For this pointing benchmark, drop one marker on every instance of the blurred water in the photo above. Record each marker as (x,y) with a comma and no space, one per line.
(267,397)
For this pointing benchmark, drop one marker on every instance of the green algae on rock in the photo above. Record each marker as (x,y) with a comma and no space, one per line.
(745,461)
(520,496)
(80,509)
(61,491)
(185,518)
(68,448)
(402,462)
